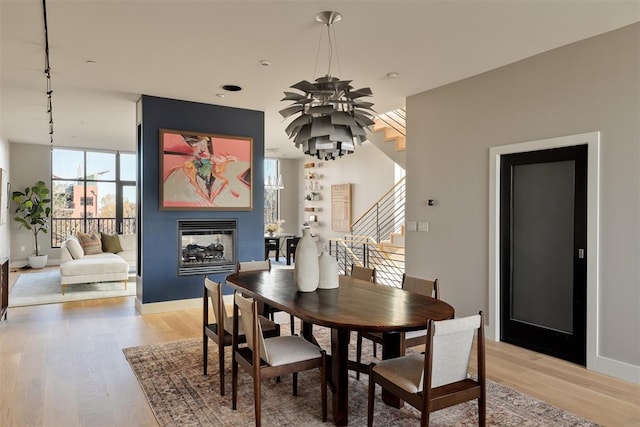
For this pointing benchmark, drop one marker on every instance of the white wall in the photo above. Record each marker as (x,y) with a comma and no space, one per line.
(371,174)
(289,202)
(30,163)
(591,85)
(4,228)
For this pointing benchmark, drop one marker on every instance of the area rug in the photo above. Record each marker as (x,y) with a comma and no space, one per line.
(179,394)
(44,288)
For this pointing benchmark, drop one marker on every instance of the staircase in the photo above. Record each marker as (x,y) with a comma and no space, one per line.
(377,239)
(393,125)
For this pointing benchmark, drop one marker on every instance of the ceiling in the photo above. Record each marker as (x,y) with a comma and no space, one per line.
(187,49)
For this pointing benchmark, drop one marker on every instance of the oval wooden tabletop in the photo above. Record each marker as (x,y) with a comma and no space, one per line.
(354,305)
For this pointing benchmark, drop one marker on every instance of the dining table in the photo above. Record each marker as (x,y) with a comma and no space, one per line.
(355,305)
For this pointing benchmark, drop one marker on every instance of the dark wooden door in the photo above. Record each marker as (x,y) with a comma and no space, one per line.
(543,239)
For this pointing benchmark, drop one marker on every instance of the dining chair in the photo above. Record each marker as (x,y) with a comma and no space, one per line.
(221,328)
(265,358)
(416,285)
(292,244)
(363,273)
(272,244)
(264,309)
(439,377)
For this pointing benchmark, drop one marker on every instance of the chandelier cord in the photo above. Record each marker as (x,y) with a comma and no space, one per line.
(47,72)
(315,67)
(330,49)
(333,28)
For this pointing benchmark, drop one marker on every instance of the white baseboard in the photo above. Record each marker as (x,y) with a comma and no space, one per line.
(603,365)
(165,306)
(19,263)
(615,368)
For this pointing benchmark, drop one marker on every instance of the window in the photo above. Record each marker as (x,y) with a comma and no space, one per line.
(271,190)
(92,191)
(86,201)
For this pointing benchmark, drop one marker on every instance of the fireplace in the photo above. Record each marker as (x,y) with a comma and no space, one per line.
(206,246)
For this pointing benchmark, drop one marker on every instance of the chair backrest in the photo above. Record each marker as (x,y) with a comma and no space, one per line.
(449,342)
(363,273)
(252,327)
(292,242)
(215,295)
(254,265)
(430,288)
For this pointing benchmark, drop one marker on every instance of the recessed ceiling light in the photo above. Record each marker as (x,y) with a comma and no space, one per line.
(231,88)
(90,62)
(393,75)
(264,62)
(220,95)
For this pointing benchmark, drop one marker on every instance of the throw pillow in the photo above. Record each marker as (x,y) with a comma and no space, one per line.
(74,248)
(110,243)
(90,243)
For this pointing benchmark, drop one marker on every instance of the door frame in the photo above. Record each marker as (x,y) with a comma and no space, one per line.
(592,140)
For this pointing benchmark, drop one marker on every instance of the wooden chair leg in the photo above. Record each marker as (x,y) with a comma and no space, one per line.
(358,353)
(375,346)
(424,418)
(323,385)
(370,397)
(295,383)
(205,352)
(256,399)
(234,384)
(221,368)
(293,325)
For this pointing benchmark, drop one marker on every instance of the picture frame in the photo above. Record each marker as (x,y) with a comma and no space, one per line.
(205,171)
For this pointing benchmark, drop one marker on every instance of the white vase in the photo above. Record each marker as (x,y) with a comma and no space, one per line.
(328,271)
(37,261)
(306,269)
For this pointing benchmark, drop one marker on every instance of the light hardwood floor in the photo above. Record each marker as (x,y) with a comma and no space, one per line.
(62,365)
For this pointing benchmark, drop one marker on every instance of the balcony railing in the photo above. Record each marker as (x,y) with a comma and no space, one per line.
(63,227)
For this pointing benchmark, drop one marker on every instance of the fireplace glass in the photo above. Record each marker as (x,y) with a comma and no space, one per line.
(206,247)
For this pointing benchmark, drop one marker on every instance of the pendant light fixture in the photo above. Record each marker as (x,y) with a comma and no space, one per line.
(330,117)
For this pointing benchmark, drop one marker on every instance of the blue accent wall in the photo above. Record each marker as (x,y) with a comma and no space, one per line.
(158,232)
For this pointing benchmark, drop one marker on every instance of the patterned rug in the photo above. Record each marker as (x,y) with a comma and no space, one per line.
(179,395)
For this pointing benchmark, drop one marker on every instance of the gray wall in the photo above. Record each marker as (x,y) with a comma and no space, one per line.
(4,228)
(591,85)
(289,201)
(30,163)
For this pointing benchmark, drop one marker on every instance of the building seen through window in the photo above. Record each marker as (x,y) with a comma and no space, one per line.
(92,191)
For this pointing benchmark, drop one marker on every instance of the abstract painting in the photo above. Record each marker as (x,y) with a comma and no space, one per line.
(201,171)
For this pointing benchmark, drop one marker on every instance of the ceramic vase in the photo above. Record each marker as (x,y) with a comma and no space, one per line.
(306,269)
(38,261)
(328,271)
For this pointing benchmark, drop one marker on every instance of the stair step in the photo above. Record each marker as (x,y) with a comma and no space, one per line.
(397,239)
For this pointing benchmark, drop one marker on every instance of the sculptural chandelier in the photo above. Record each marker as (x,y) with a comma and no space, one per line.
(331,117)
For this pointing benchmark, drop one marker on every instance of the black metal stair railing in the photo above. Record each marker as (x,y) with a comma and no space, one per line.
(371,244)
(387,259)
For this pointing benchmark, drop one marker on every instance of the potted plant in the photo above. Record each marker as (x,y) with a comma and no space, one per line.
(33,212)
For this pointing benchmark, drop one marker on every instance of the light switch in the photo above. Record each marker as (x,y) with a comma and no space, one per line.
(412,226)
(423,226)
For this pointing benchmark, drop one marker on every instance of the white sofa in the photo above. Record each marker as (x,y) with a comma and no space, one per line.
(76,267)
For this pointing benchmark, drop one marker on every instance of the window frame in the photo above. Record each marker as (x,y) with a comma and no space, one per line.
(90,223)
